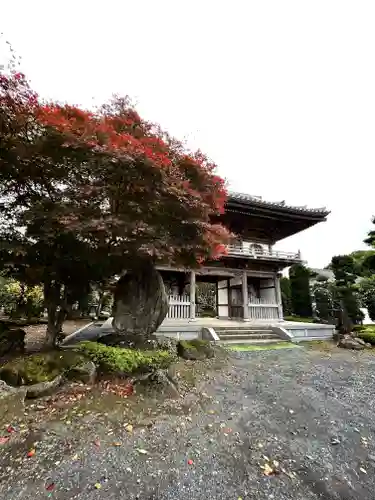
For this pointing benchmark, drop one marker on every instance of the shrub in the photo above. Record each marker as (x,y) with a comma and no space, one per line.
(119,360)
(368,336)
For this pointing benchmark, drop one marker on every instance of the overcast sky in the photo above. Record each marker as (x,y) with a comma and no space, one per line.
(281,94)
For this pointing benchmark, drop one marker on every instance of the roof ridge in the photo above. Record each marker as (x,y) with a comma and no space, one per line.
(281,204)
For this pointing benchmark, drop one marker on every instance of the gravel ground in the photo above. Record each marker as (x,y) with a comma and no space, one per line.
(306,414)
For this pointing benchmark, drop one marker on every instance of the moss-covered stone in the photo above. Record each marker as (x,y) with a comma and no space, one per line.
(195,349)
(38,368)
(125,361)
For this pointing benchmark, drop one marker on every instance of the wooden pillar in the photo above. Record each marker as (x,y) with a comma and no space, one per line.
(245,297)
(278,296)
(192,295)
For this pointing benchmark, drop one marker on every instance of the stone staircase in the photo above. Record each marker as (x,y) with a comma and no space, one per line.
(247,335)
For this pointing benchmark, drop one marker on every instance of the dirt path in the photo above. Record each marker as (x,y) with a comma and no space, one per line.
(35,334)
(306,414)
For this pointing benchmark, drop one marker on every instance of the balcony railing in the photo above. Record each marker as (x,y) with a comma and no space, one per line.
(258,252)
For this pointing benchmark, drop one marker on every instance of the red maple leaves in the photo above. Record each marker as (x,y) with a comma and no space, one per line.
(122,179)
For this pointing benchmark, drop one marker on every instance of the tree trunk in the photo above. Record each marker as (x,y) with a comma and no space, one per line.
(141,303)
(100,303)
(56,311)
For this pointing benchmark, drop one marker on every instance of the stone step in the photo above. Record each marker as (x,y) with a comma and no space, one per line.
(253,336)
(242,328)
(244,331)
(251,341)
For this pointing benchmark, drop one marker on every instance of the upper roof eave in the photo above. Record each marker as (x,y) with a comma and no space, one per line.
(257,201)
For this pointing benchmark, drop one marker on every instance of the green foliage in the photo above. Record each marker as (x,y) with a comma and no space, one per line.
(366,292)
(206,299)
(368,335)
(345,271)
(20,300)
(362,261)
(370,240)
(299,276)
(39,367)
(126,361)
(323,296)
(286,295)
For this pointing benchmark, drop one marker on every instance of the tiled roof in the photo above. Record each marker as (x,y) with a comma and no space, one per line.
(258,201)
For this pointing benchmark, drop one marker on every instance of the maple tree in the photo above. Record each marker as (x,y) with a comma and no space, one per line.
(87,194)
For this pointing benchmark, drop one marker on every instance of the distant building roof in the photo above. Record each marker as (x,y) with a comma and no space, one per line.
(258,201)
(327,273)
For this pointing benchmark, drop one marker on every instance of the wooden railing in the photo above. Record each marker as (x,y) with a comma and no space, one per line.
(258,309)
(179,307)
(263,311)
(263,253)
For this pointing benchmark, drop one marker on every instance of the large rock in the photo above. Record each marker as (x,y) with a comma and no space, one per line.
(195,349)
(45,368)
(348,342)
(85,372)
(12,341)
(11,401)
(160,380)
(141,303)
(43,388)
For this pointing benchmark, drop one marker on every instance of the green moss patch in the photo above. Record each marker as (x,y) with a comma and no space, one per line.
(195,349)
(38,368)
(118,360)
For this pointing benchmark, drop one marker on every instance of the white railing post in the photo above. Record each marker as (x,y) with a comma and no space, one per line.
(278,297)
(245,297)
(192,295)
(179,307)
(266,253)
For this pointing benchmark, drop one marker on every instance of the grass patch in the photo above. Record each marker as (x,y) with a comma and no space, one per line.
(254,347)
(299,319)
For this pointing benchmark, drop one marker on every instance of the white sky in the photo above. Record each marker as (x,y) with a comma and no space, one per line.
(281,94)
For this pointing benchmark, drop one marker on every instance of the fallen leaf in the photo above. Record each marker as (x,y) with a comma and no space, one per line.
(267,470)
(4,440)
(116,443)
